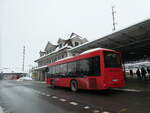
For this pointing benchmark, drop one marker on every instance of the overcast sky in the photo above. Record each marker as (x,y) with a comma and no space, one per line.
(35,22)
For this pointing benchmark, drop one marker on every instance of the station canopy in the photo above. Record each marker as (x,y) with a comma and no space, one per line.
(133,42)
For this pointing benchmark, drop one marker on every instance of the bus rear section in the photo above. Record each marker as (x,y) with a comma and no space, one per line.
(113,74)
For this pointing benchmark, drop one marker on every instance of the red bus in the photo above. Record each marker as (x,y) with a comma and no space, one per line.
(95,70)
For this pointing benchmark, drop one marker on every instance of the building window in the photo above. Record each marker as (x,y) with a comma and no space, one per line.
(50,51)
(62,56)
(76,43)
(60,45)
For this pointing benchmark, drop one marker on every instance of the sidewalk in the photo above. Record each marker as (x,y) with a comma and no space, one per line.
(42,82)
(131,83)
(137,84)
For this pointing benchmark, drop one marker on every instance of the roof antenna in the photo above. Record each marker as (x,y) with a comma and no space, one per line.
(0,51)
(23,58)
(113,18)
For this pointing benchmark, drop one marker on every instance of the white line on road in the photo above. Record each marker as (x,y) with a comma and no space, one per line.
(105,112)
(38,92)
(86,107)
(54,97)
(96,111)
(48,95)
(74,103)
(63,100)
(43,93)
(35,91)
(129,90)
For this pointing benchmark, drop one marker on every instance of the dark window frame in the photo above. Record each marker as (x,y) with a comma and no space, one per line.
(112,61)
(90,67)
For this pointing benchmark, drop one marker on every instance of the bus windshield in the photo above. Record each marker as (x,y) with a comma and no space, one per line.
(112,60)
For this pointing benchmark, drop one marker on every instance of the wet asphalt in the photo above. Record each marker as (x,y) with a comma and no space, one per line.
(35,97)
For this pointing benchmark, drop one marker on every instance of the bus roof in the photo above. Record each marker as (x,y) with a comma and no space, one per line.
(85,54)
(93,50)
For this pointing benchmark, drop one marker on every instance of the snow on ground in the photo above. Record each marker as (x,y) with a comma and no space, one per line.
(24,79)
(1,110)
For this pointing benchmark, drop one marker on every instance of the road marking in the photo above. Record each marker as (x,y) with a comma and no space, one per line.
(48,95)
(43,93)
(123,110)
(38,92)
(54,97)
(74,103)
(35,91)
(63,100)
(86,107)
(129,90)
(96,111)
(105,112)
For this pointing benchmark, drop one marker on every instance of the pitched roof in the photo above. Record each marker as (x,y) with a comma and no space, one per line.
(49,44)
(75,35)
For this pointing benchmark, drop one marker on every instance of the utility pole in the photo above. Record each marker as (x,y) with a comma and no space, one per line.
(113,18)
(0,51)
(23,58)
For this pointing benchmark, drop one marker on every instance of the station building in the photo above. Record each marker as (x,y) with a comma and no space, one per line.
(132,42)
(53,53)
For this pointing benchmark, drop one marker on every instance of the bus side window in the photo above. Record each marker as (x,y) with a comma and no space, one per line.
(50,72)
(71,69)
(64,69)
(57,72)
(61,69)
(53,71)
(56,69)
(84,67)
(89,66)
(78,67)
(94,65)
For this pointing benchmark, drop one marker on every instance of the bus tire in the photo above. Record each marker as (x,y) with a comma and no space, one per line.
(52,84)
(74,85)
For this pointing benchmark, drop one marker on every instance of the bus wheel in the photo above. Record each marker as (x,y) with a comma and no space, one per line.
(74,85)
(52,84)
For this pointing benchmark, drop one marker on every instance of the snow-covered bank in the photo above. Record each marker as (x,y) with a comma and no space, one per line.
(25,79)
(1,110)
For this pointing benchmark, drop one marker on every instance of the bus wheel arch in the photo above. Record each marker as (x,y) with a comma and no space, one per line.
(74,85)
